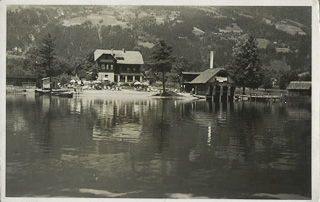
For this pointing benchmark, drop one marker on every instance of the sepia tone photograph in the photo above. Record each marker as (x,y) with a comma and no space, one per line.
(158,102)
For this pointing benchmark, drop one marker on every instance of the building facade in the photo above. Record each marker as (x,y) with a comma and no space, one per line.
(119,65)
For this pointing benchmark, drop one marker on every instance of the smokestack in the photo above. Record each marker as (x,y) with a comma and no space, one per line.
(211,59)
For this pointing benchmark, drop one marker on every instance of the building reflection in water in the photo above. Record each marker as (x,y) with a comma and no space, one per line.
(118,121)
(209,135)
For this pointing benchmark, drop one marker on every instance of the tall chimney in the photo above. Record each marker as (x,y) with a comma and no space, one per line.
(211,59)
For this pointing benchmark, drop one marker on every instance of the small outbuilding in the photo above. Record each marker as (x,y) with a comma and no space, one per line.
(50,83)
(185,80)
(299,88)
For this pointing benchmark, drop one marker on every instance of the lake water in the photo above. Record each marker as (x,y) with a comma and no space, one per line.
(153,148)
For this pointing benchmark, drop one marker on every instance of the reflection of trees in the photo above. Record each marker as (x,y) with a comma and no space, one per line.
(161,128)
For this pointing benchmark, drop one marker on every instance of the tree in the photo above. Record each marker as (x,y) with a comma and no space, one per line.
(286,77)
(180,65)
(93,75)
(64,80)
(267,83)
(161,60)
(15,67)
(46,57)
(305,77)
(267,78)
(246,65)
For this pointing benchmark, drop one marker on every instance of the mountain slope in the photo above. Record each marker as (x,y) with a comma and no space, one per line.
(192,31)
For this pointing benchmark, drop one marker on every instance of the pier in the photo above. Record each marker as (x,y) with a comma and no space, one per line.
(259,97)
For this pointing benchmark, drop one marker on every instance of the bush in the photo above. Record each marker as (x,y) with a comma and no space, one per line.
(125,84)
(64,80)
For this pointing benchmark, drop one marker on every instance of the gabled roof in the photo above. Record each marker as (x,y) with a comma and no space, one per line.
(205,76)
(299,85)
(130,57)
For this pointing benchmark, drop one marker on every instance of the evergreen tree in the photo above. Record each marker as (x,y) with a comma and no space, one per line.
(180,65)
(46,56)
(161,60)
(246,65)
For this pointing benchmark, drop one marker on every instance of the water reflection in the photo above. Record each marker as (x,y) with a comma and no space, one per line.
(108,147)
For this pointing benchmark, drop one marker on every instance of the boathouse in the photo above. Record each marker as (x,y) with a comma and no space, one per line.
(299,88)
(215,84)
(49,83)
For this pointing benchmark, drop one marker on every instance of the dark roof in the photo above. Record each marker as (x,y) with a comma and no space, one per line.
(299,85)
(129,57)
(21,76)
(205,76)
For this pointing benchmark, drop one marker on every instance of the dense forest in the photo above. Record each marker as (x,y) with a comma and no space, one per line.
(133,27)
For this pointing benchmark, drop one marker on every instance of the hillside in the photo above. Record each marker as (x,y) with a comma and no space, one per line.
(191,31)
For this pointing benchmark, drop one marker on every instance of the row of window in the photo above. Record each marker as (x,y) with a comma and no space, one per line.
(129,68)
(110,67)
(122,78)
(107,66)
(129,78)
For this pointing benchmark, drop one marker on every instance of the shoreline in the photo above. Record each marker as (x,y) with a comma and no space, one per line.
(122,94)
(125,93)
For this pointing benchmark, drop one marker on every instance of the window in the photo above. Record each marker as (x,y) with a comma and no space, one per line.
(128,68)
(134,69)
(120,58)
(106,76)
(107,66)
(130,78)
(103,66)
(111,67)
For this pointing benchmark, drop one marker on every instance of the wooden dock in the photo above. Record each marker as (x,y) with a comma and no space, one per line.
(200,96)
(259,97)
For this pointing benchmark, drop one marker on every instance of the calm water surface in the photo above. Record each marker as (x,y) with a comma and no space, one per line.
(108,147)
